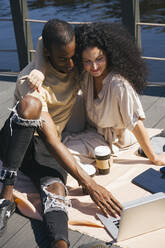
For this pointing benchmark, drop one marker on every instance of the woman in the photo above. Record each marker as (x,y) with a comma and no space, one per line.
(112,75)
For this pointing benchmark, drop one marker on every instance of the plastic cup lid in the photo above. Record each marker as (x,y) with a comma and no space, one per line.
(102,151)
(88,168)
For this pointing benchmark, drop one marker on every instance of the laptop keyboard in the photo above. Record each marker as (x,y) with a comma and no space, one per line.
(116,222)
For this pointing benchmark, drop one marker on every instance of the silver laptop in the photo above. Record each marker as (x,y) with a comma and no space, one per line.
(138,217)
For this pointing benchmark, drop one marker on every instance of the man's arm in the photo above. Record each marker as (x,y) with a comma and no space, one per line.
(103,198)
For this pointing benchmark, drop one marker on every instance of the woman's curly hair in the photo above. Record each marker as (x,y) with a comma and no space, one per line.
(122,54)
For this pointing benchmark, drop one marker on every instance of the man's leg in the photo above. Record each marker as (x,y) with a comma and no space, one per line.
(55,203)
(15,136)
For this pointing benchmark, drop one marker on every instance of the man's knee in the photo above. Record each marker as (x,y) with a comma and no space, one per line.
(29,108)
(54,195)
(56,188)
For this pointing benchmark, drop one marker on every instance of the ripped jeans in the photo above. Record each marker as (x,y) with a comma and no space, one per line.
(21,149)
(15,137)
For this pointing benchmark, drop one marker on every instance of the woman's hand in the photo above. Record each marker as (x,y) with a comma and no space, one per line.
(142,137)
(159,159)
(35,80)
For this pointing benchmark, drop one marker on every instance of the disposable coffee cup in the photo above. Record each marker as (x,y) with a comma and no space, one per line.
(103,159)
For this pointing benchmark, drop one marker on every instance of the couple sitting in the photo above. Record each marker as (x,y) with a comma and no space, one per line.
(102,60)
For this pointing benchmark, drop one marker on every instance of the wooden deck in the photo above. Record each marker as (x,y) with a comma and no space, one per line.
(25,233)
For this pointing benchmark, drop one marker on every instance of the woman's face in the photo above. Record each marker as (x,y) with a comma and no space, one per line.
(94,61)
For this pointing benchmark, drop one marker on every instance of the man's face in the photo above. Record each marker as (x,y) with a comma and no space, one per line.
(61,57)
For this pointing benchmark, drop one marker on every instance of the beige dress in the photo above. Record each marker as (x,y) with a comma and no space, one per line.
(116,110)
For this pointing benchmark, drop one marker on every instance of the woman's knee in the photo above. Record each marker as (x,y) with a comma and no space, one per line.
(29,108)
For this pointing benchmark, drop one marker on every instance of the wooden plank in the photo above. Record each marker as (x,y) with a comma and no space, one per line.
(155,116)
(5,107)
(15,224)
(85,239)
(153,102)
(3,119)
(23,238)
(5,111)
(6,94)
(6,100)
(148,102)
(151,96)
(74,236)
(5,86)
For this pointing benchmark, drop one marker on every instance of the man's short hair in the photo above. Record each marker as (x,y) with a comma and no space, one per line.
(57,32)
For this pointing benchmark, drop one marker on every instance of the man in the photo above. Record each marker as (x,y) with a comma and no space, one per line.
(31,138)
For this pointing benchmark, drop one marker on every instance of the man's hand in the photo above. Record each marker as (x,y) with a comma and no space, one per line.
(105,200)
(35,79)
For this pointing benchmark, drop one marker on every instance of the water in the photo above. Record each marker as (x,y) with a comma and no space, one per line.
(153,39)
